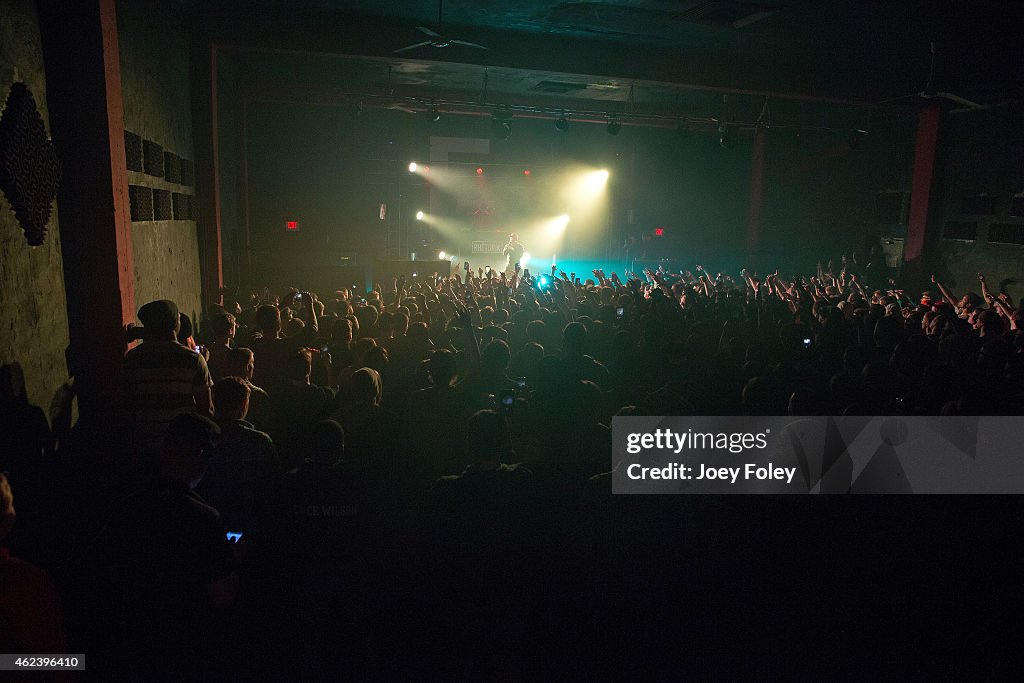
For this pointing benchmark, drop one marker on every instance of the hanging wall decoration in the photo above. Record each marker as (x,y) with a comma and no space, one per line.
(29,168)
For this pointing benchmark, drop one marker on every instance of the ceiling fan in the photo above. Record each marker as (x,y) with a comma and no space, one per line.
(930,93)
(435,38)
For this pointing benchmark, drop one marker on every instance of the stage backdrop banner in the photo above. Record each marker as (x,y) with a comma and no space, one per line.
(817,455)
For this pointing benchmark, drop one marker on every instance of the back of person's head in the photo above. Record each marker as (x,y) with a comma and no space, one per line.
(888,331)
(160,317)
(535,331)
(367,317)
(293,327)
(268,319)
(400,324)
(351,317)
(362,347)
(442,367)
(223,325)
(189,443)
(327,443)
(377,358)
(487,437)
(364,387)
(991,322)
(185,329)
(495,357)
(12,385)
(342,331)
(418,333)
(231,398)
(6,507)
(241,362)
(589,402)
(299,366)
(191,430)
(524,363)
(574,337)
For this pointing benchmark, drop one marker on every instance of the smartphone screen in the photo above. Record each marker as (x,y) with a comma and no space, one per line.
(619,312)
(508,400)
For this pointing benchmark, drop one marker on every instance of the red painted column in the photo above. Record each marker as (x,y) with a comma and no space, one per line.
(758,157)
(928,120)
(83,77)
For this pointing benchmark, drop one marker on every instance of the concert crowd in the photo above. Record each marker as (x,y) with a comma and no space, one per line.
(412,482)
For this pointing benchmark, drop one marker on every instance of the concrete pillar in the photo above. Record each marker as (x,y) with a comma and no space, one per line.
(758,157)
(83,77)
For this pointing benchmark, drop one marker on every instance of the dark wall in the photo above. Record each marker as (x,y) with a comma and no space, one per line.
(33,305)
(821,191)
(981,155)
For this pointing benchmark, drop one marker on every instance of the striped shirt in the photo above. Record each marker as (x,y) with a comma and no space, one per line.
(161,379)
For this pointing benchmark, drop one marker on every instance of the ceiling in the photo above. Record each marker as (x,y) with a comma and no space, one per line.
(647,61)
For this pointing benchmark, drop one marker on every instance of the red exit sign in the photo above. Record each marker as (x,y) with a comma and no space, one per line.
(291,226)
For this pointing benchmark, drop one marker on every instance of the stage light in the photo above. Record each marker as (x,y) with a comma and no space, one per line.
(441,256)
(412,167)
(452,259)
(526,172)
(595,181)
(543,281)
(614,126)
(419,215)
(434,114)
(561,124)
(479,170)
(723,137)
(660,232)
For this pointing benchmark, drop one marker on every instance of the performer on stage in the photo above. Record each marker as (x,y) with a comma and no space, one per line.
(513,252)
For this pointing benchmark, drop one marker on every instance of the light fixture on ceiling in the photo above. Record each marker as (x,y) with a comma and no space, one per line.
(433,114)
(562,124)
(724,139)
(614,126)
